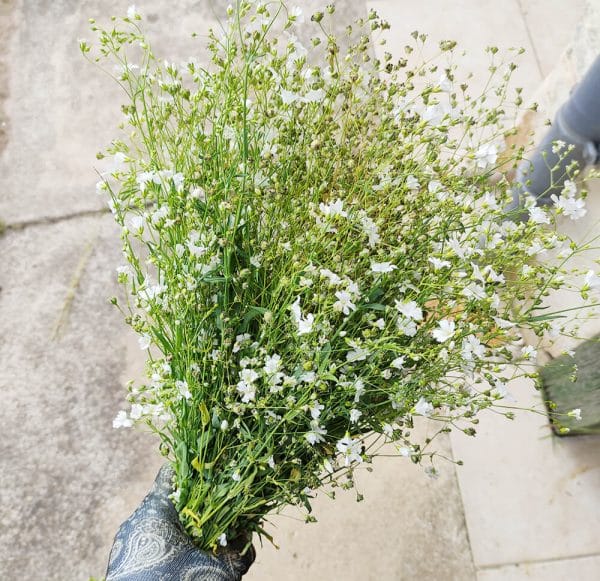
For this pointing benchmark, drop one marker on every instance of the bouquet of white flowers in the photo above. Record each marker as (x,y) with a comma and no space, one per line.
(316,254)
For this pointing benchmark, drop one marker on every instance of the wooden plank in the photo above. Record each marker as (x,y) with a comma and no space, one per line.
(574,383)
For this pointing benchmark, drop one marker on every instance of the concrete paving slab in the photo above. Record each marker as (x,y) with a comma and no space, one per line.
(408,527)
(551,25)
(67,479)
(528,495)
(582,569)
(62,109)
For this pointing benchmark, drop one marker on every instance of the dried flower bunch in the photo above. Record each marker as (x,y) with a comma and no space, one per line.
(315,255)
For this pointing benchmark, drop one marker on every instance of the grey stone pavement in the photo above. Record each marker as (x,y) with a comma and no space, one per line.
(67,479)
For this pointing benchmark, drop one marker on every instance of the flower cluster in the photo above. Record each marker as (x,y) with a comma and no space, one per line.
(316,253)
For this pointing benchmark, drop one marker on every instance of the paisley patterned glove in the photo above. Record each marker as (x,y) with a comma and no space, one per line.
(151,545)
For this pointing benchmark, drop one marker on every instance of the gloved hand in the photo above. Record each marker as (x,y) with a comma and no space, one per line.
(151,545)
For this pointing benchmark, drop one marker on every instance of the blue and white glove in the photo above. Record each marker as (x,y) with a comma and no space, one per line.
(151,545)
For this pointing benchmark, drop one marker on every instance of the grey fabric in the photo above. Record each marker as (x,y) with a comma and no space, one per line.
(151,545)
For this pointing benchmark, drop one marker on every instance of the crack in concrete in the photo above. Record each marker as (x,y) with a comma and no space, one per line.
(49,220)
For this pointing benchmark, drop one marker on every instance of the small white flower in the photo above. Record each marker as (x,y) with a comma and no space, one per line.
(592,280)
(271,462)
(404,452)
(410,310)
(247,391)
(386,373)
(380,324)
(144,341)
(289,97)
(359,388)
(122,421)
(438,263)
(297,15)
(350,449)
(333,209)
(445,84)
(357,354)
(344,302)
(316,409)
(371,230)
(316,433)
(314,96)
(272,364)
(567,203)
(576,413)
(236,477)
(248,375)
(388,430)
(333,278)
(183,389)
(406,327)
(305,324)
(132,13)
(528,352)
(487,154)
(223,540)
(538,216)
(398,363)
(224,425)
(445,331)
(137,223)
(412,183)
(255,260)
(383,267)
(423,407)
(355,415)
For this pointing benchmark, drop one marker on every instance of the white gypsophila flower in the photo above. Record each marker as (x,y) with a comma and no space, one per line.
(144,341)
(272,364)
(445,331)
(333,209)
(297,15)
(438,263)
(388,430)
(380,324)
(350,449)
(528,352)
(314,96)
(132,12)
(359,390)
(288,97)
(224,425)
(576,413)
(137,223)
(223,540)
(333,278)
(398,363)
(344,302)
(474,291)
(486,155)
(236,476)
(557,146)
(537,215)
(404,452)
(255,260)
(183,389)
(122,421)
(355,415)
(137,411)
(472,348)
(406,326)
(445,84)
(308,377)
(423,407)
(358,353)
(315,434)
(409,310)
(567,203)
(316,409)
(386,373)
(370,229)
(383,267)
(412,183)
(592,280)
(271,462)
(247,391)
(305,324)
